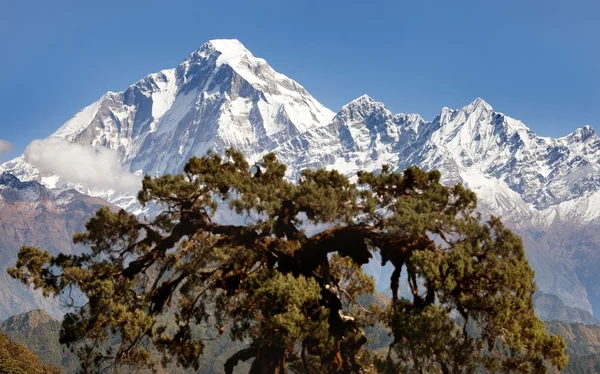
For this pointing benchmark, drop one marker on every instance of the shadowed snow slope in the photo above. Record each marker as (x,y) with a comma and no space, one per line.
(222,96)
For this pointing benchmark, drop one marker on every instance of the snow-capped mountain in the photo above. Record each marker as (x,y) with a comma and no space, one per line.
(540,186)
(222,96)
(475,145)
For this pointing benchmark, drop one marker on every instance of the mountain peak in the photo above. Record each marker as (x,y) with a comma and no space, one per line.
(232,51)
(364,97)
(361,107)
(228,52)
(363,100)
(221,95)
(478,103)
(453,118)
(226,45)
(582,134)
(587,129)
(25,321)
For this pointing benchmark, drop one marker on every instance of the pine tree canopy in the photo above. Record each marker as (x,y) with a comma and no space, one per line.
(287,279)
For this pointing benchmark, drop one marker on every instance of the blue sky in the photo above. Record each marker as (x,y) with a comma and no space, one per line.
(537,61)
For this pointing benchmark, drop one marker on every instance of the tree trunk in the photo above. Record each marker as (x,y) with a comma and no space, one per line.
(269,360)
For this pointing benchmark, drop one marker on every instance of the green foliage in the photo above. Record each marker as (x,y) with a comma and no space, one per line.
(39,332)
(427,340)
(16,359)
(294,300)
(42,338)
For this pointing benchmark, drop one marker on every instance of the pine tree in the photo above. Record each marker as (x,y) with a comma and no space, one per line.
(294,297)
(16,359)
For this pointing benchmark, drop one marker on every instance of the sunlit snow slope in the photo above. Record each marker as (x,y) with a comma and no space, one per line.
(222,96)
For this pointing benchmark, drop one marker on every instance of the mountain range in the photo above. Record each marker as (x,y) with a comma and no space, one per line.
(546,189)
(31,214)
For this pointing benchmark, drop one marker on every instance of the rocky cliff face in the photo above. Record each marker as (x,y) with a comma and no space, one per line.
(552,308)
(548,189)
(27,321)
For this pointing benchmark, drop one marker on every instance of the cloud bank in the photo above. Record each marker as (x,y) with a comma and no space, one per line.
(77,163)
(5,147)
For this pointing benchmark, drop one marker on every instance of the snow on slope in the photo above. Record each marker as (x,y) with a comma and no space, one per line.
(223,96)
(78,123)
(518,174)
(546,189)
(220,96)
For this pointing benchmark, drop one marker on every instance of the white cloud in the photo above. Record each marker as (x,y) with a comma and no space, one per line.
(5,147)
(77,163)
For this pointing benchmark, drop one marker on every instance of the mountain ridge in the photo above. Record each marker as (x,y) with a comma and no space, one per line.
(223,96)
(33,215)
